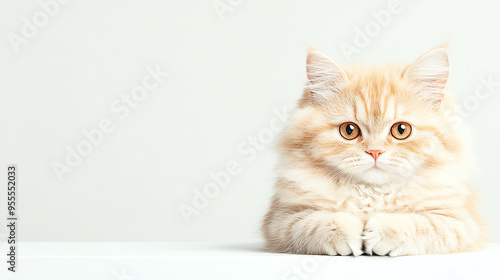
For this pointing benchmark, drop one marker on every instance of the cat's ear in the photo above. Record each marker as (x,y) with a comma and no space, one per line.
(430,74)
(325,75)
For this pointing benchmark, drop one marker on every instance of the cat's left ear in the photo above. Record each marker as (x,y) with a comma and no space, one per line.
(430,74)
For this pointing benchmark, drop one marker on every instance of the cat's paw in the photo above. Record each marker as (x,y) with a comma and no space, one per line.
(346,236)
(345,246)
(379,238)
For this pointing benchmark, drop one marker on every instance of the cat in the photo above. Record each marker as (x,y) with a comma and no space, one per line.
(368,163)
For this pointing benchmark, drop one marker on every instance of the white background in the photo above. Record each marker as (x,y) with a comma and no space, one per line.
(228,76)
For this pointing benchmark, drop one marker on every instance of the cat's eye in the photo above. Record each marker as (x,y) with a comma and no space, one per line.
(349,130)
(401,130)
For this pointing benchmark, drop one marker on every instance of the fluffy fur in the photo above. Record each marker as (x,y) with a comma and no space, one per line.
(331,197)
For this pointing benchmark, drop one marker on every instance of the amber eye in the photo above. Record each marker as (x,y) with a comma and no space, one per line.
(401,130)
(349,130)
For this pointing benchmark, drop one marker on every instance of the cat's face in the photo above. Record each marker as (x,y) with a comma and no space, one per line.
(373,125)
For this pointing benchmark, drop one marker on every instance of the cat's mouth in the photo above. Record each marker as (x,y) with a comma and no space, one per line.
(376,169)
(376,174)
(375,166)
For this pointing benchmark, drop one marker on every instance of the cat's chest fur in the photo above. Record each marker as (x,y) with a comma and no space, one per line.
(309,188)
(361,198)
(355,198)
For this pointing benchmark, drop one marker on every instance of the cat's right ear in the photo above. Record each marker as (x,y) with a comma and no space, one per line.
(325,76)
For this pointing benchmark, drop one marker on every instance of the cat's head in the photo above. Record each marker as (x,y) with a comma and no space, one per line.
(372,125)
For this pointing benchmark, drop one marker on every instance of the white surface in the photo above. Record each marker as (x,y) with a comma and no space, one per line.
(227,77)
(151,261)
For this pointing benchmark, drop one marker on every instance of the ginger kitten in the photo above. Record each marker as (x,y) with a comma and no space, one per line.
(368,163)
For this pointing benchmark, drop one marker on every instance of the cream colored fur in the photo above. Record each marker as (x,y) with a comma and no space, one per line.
(329,196)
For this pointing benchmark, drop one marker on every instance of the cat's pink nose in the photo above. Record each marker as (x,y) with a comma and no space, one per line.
(375,153)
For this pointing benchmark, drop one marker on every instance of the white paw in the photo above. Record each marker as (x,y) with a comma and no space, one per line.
(351,246)
(371,237)
(356,246)
(376,241)
(345,236)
